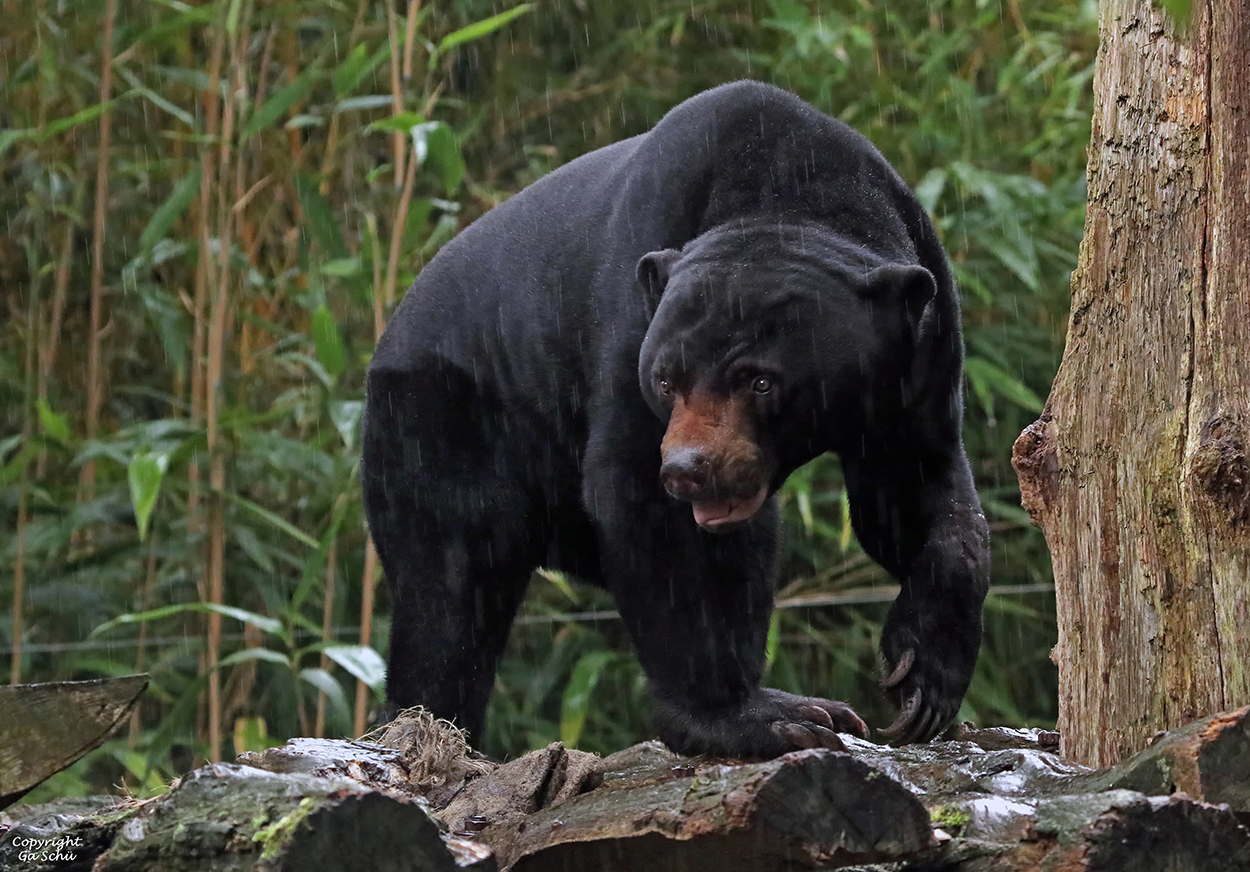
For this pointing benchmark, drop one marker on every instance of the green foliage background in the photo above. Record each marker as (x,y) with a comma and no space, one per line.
(983,107)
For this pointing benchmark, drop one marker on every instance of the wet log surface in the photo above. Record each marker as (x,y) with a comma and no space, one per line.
(416,798)
(46,727)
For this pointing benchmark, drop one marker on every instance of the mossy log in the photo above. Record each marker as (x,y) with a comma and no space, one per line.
(416,798)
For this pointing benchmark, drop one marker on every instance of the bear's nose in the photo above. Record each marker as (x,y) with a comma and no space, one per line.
(684,472)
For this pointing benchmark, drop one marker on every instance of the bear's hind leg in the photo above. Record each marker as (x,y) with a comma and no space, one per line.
(452,611)
(455,529)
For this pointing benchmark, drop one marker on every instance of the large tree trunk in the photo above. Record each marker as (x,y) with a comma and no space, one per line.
(1137,470)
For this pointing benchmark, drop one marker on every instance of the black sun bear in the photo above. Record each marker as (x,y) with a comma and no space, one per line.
(614,371)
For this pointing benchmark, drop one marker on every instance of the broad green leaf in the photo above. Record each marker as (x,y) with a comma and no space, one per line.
(178,24)
(348,73)
(145,471)
(277,521)
(346,416)
(344,267)
(7,445)
(53,423)
(929,191)
(260,622)
(183,194)
(577,693)
(481,28)
(247,539)
(319,218)
(436,148)
(1180,10)
(252,734)
(803,500)
(137,87)
(774,639)
(232,17)
(268,655)
(62,124)
(280,101)
(985,375)
(561,582)
(17,464)
(8,137)
(298,122)
(400,122)
(367,101)
(361,661)
(325,683)
(356,67)
(326,339)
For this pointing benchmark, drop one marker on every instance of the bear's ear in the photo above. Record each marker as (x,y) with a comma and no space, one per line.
(909,286)
(653,271)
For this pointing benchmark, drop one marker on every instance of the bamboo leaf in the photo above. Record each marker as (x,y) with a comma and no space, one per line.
(167,213)
(576,701)
(8,137)
(232,17)
(319,218)
(277,521)
(91,113)
(145,471)
(986,377)
(436,147)
(480,28)
(346,415)
(400,122)
(774,639)
(281,100)
(366,101)
(268,655)
(358,65)
(325,683)
(53,423)
(329,345)
(361,661)
(260,622)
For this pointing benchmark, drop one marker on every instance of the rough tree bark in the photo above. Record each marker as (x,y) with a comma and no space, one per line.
(1137,469)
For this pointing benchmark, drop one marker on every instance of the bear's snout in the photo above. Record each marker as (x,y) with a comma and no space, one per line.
(684,473)
(710,459)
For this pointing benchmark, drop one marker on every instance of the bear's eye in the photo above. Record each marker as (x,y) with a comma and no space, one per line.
(762,384)
(664,387)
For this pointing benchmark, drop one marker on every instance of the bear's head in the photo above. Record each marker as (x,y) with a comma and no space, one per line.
(769,344)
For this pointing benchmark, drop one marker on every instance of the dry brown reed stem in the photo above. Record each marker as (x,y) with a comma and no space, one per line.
(23,483)
(366,632)
(379,319)
(204,272)
(215,371)
(51,341)
(19,585)
(95,375)
(145,603)
(327,632)
(332,137)
(397,230)
(397,92)
(410,36)
(369,582)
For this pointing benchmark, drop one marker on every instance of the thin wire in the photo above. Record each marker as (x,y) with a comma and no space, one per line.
(864,596)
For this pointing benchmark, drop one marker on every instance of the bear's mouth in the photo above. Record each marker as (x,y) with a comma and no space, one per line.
(714,514)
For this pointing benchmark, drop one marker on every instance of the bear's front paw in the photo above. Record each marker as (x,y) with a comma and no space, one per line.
(927,691)
(808,721)
(766,725)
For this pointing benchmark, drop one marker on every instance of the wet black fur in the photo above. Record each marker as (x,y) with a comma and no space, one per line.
(512,420)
